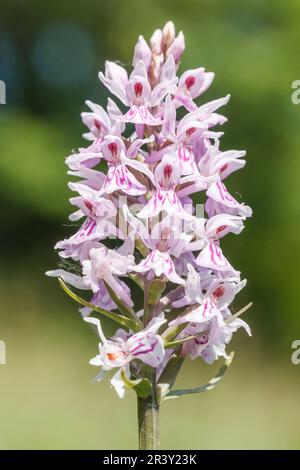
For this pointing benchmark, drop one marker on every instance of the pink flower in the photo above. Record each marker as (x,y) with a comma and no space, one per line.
(146,346)
(212,257)
(212,344)
(107,265)
(164,241)
(99,123)
(192,84)
(135,91)
(220,201)
(119,177)
(215,162)
(167,177)
(142,52)
(141,222)
(86,158)
(218,294)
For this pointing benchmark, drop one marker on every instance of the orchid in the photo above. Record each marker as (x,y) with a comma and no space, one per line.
(124,348)
(166,177)
(135,91)
(164,241)
(141,230)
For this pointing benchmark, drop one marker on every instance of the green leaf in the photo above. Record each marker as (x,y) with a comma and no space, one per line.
(239,313)
(141,247)
(168,376)
(142,387)
(128,323)
(171,333)
(204,388)
(137,279)
(172,344)
(129,312)
(170,372)
(156,288)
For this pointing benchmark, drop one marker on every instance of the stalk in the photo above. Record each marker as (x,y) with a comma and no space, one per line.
(148,419)
(148,408)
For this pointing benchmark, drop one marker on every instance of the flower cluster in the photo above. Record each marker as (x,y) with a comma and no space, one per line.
(148,156)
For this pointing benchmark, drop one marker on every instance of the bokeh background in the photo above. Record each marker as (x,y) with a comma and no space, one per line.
(50,54)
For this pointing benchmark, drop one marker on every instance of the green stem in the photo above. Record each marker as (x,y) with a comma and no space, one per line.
(148,419)
(148,408)
(146,303)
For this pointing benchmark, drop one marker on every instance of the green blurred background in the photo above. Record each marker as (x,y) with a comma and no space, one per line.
(50,54)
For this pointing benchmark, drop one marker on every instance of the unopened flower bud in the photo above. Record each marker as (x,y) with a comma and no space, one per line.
(142,52)
(177,48)
(155,42)
(168,34)
(157,61)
